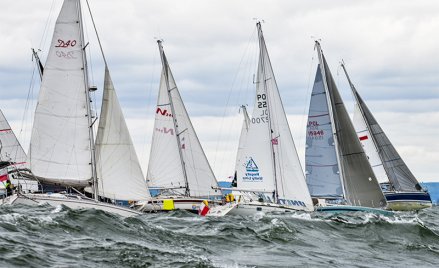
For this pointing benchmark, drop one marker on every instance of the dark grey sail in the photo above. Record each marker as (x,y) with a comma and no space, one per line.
(400,176)
(360,184)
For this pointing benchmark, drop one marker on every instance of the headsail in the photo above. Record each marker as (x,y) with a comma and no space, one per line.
(177,160)
(321,161)
(271,161)
(10,148)
(60,143)
(399,175)
(360,184)
(241,145)
(118,168)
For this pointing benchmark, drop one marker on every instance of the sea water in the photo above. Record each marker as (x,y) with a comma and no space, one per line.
(45,236)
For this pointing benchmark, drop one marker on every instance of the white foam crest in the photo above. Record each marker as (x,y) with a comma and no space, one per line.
(57,209)
(12,218)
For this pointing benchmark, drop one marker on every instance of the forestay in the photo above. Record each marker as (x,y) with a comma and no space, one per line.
(118,168)
(176,153)
(321,162)
(60,142)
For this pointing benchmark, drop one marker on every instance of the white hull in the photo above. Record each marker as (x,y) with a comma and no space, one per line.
(71,201)
(252,208)
(180,203)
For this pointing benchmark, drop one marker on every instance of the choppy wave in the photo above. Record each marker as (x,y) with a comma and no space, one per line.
(44,236)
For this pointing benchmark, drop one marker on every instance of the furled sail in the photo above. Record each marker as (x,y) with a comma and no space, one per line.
(271,162)
(360,184)
(177,160)
(399,175)
(118,168)
(321,162)
(60,142)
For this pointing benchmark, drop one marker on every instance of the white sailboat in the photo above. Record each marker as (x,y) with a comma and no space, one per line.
(269,176)
(178,167)
(62,148)
(13,158)
(338,173)
(400,187)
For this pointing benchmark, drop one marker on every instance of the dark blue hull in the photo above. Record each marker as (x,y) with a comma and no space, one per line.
(407,200)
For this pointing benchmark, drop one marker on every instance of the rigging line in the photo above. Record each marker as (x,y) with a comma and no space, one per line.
(228,99)
(96,31)
(149,102)
(27,104)
(44,36)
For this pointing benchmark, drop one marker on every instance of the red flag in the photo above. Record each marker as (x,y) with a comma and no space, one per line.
(275,141)
(362,138)
(204,209)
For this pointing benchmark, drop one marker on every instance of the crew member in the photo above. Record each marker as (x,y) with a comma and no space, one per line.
(8,187)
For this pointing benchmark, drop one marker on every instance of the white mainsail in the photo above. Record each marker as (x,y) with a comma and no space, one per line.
(10,147)
(270,162)
(60,142)
(177,160)
(119,172)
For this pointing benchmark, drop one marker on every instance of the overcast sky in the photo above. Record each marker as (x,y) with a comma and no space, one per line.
(389,47)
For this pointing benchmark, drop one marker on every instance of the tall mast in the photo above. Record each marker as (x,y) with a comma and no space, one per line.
(89,113)
(354,92)
(270,130)
(331,114)
(168,89)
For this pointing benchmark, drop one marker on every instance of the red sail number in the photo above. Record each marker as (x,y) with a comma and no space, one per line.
(68,43)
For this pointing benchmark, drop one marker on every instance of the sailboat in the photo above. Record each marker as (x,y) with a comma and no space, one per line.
(178,167)
(401,189)
(62,147)
(13,158)
(338,172)
(269,176)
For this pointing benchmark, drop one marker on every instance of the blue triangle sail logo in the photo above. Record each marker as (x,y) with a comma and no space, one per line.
(252,172)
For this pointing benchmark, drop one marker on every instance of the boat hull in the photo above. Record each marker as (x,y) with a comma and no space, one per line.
(70,201)
(347,209)
(406,201)
(180,203)
(252,208)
